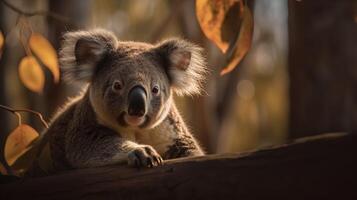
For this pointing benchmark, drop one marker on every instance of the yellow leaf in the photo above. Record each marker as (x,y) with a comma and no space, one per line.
(38,153)
(2,42)
(25,160)
(17,143)
(243,42)
(46,53)
(31,74)
(219,20)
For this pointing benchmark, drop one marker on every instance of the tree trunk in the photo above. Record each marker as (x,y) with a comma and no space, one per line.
(322,167)
(77,12)
(323,66)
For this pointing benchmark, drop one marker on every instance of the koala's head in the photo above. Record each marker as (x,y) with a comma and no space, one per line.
(131,83)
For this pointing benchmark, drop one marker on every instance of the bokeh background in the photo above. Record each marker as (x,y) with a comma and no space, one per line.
(298,79)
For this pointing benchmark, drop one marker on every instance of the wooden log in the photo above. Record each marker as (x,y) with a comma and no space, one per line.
(315,168)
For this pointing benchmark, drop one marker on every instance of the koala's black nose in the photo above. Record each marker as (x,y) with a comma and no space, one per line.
(137,101)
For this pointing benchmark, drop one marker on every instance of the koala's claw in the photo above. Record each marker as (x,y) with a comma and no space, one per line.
(144,156)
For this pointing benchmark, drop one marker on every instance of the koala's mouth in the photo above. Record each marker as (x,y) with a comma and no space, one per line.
(134,121)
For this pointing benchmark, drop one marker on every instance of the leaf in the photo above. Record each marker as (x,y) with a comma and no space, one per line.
(46,53)
(39,152)
(24,161)
(220,20)
(31,74)
(17,143)
(2,42)
(243,42)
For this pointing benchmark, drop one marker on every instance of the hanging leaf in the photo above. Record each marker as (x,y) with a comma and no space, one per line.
(25,160)
(31,74)
(17,143)
(220,20)
(243,42)
(2,42)
(36,153)
(46,53)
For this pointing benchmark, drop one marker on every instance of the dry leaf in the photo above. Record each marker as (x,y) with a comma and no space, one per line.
(2,42)
(46,53)
(17,143)
(31,74)
(220,20)
(243,42)
(24,161)
(43,158)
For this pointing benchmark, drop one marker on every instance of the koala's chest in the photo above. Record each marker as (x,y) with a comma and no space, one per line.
(157,139)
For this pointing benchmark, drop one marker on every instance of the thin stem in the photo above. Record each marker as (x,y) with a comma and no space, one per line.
(14,111)
(18,117)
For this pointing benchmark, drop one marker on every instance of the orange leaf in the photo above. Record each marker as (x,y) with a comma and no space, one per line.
(36,152)
(2,42)
(46,53)
(18,141)
(219,20)
(31,74)
(243,42)
(25,160)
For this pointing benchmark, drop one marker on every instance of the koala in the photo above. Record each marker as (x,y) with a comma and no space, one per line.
(126,113)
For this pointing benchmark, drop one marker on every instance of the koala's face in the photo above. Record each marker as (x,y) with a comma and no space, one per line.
(132,87)
(131,83)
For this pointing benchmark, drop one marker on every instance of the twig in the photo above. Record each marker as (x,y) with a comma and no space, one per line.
(36,13)
(16,111)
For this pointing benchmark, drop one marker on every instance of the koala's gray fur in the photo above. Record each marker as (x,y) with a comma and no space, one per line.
(95,129)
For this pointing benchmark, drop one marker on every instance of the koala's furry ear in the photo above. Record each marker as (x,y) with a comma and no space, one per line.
(185,65)
(82,50)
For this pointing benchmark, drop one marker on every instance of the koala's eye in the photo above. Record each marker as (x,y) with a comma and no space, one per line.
(117,86)
(155,90)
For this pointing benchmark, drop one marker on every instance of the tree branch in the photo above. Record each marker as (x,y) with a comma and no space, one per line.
(16,111)
(322,167)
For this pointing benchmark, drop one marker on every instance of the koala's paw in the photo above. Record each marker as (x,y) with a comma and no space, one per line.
(144,156)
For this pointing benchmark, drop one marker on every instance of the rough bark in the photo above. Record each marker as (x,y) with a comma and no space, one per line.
(322,66)
(320,167)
